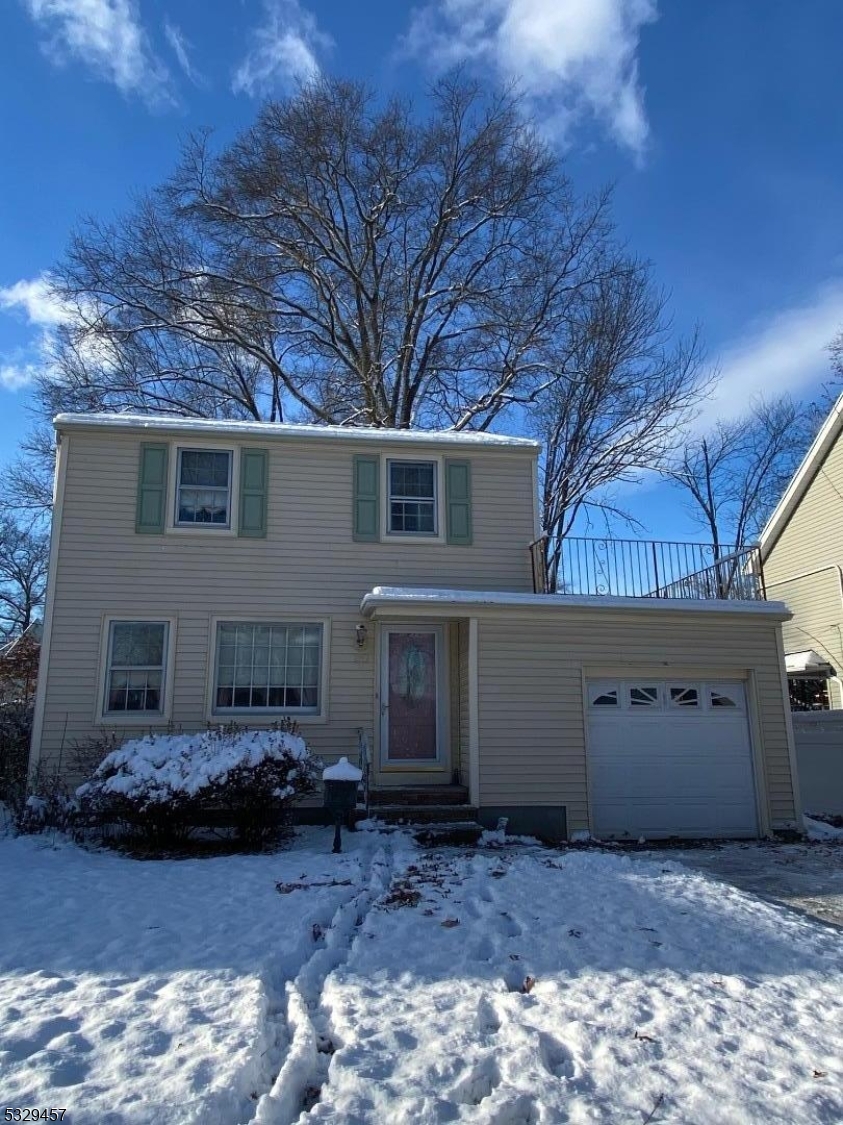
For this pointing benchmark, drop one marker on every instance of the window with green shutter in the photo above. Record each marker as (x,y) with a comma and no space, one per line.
(458,502)
(152,489)
(254,471)
(366,500)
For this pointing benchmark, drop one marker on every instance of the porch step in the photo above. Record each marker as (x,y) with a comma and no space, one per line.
(418,795)
(425,814)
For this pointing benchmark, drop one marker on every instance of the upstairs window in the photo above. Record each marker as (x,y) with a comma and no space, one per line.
(412,498)
(203,488)
(137,653)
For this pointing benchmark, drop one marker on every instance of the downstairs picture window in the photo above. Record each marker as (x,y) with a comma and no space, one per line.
(268,667)
(137,655)
(808,693)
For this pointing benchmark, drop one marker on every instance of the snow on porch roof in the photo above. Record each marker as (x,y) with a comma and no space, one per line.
(221,427)
(807,661)
(409,597)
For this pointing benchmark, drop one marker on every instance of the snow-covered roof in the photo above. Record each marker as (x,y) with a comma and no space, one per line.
(171,424)
(410,596)
(807,661)
(802,478)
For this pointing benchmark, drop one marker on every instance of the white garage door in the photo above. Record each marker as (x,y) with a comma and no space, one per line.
(669,758)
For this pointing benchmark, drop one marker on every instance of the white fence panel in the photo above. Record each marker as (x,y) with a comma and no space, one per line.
(819,757)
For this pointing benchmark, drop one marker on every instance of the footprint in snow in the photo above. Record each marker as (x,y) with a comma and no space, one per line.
(478,1084)
(486,1018)
(555,1056)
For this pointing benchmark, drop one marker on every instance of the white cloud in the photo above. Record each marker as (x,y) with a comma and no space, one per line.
(573,59)
(13,377)
(284,50)
(35,300)
(107,36)
(784,353)
(32,300)
(181,49)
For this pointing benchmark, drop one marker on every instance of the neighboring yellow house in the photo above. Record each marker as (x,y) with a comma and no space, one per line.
(802,556)
(379,586)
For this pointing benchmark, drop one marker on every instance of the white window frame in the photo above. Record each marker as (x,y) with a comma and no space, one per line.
(141,719)
(268,714)
(173,477)
(438,496)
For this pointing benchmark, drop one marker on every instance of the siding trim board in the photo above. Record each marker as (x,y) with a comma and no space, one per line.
(56,522)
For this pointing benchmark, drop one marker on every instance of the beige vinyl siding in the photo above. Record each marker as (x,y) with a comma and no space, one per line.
(803,567)
(307,568)
(532,732)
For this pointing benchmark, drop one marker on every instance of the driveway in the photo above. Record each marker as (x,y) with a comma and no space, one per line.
(805,877)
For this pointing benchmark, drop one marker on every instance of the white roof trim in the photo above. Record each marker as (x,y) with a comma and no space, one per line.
(172,424)
(802,478)
(807,661)
(412,596)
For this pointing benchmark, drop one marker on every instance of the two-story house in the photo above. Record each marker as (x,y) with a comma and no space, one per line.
(382,582)
(802,553)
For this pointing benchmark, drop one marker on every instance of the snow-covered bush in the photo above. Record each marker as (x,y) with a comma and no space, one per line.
(165,785)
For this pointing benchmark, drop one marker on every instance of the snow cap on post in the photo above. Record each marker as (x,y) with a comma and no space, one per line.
(342,770)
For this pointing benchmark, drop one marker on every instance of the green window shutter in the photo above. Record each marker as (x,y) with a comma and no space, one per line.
(367,472)
(458,502)
(253,493)
(152,489)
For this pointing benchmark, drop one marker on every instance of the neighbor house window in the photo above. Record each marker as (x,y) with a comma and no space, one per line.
(808,693)
(137,653)
(203,490)
(412,497)
(268,667)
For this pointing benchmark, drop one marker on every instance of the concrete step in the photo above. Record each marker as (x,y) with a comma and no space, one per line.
(418,795)
(424,814)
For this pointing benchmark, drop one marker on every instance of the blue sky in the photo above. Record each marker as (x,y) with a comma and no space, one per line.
(719,122)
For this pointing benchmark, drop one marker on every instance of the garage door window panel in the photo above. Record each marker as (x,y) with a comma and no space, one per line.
(684,696)
(644,695)
(604,695)
(727,697)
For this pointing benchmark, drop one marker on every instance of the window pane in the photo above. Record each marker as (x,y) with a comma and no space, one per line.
(412,478)
(644,696)
(136,643)
(684,697)
(607,699)
(204,468)
(719,699)
(274,666)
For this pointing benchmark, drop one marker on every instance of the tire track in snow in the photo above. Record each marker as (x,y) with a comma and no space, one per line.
(304,1068)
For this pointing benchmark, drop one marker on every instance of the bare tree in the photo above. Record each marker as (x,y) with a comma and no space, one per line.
(24,555)
(629,392)
(26,484)
(342,261)
(733,477)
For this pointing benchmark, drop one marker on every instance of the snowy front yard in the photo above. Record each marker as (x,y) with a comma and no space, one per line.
(393,984)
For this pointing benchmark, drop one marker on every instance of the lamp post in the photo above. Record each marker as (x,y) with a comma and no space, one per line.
(340,783)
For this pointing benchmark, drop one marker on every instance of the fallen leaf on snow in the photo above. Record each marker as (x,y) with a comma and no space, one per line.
(449,923)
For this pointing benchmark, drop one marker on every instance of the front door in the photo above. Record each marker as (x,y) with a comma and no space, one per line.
(411,698)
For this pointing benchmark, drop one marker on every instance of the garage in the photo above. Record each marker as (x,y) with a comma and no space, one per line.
(670,758)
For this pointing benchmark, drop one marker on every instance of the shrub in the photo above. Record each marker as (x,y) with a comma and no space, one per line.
(163,786)
(15,732)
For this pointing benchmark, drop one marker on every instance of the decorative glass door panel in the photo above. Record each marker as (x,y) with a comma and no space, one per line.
(410,691)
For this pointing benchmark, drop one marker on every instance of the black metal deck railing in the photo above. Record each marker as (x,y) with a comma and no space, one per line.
(648,569)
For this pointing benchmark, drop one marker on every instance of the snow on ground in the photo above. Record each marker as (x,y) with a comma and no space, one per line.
(507,985)
(153,991)
(819,830)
